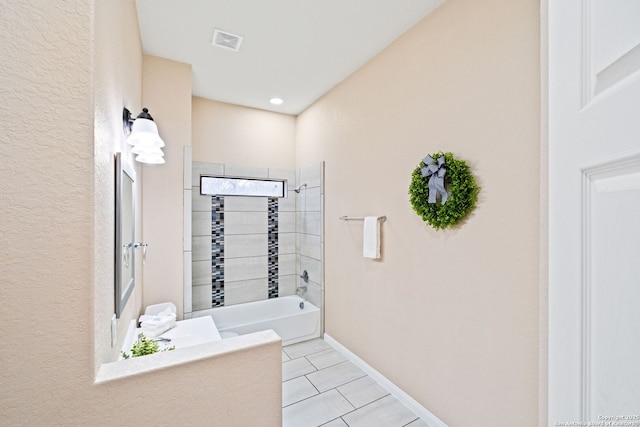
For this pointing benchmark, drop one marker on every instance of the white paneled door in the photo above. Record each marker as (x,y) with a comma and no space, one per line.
(594,212)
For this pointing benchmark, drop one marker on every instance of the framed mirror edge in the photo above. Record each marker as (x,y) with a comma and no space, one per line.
(124,273)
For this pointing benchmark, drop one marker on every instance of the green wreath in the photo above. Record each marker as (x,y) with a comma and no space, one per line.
(461,189)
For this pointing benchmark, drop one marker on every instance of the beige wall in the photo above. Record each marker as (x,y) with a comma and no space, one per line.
(117,84)
(461,338)
(451,317)
(68,68)
(166,92)
(235,135)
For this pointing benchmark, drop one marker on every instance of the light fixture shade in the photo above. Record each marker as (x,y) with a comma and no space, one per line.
(144,132)
(143,135)
(139,149)
(153,159)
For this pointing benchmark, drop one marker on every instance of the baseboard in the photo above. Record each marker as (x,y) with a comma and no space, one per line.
(395,391)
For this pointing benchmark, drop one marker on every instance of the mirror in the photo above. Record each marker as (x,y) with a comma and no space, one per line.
(124,233)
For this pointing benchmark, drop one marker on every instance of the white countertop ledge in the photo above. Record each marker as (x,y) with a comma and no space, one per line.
(168,359)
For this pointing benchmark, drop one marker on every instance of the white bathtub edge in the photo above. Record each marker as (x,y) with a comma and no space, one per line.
(394,390)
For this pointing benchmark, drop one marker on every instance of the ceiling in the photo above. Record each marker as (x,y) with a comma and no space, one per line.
(297,50)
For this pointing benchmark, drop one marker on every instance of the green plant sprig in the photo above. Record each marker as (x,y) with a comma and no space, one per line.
(145,346)
(461,186)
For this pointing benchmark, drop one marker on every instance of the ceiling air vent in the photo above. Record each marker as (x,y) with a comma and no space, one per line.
(226,40)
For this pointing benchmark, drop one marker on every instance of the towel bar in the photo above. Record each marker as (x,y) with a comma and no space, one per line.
(360,218)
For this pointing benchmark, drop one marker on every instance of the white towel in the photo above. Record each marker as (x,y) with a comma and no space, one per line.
(152,330)
(371,237)
(155,324)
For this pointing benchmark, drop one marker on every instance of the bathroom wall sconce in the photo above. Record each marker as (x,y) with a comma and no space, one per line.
(143,136)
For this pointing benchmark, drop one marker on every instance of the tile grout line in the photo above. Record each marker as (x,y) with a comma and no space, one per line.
(362,407)
(413,421)
(320,393)
(305,355)
(328,366)
(311,382)
(330,421)
(314,386)
(347,399)
(333,388)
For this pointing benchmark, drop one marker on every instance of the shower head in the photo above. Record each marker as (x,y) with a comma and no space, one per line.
(299,187)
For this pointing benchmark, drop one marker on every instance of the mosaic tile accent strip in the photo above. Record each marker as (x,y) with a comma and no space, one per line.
(272,224)
(217,251)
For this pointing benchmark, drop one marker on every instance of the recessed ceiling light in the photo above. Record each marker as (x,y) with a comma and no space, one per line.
(276,101)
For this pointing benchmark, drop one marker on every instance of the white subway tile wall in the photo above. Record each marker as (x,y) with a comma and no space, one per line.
(245,268)
(287,264)
(240,222)
(244,245)
(186,214)
(199,168)
(201,273)
(287,285)
(242,291)
(186,283)
(286,244)
(201,296)
(201,248)
(310,246)
(245,204)
(309,233)
(287,222)
(201,223)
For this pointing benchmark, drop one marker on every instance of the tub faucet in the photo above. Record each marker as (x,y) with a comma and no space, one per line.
(301,288)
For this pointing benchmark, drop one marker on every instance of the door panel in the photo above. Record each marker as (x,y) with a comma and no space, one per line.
(612,290)
(611,39)
(594,209)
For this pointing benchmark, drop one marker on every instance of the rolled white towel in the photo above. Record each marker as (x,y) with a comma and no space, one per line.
(152,330)
(159,308)
(158,318)
(155,324)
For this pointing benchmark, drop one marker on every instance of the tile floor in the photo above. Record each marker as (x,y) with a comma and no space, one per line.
(322,388)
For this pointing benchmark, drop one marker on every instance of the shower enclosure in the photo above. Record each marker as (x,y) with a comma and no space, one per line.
(244,249)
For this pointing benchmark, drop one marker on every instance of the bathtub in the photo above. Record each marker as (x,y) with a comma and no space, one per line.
(282,314)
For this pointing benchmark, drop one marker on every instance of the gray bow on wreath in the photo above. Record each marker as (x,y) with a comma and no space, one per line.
(436,173)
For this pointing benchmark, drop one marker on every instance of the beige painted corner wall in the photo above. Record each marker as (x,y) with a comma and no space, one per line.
(451,317)
(235,135)
(70,66)
(166,92)
(117,82)
(46,182)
